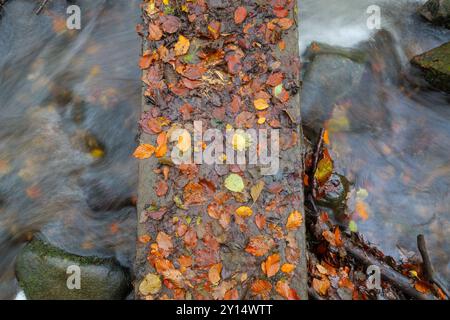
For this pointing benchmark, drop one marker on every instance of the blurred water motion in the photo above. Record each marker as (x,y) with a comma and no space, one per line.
(69,102)
(389,132)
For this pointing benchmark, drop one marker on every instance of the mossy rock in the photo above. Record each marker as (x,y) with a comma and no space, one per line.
(335,194)
(437,12)
(435,65)
(42,271)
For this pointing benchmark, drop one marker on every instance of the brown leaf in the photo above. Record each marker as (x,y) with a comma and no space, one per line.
(256,190)
(275,79)
(214,273)
(194,193)
(170,24)
(154,32)
(190,238)
(164,241)
(214,29)
(161,188)
(260,221)
(321,285)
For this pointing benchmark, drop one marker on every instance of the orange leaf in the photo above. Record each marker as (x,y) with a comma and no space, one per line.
(214,273)
(161,151)
(259,245)
(240,14)
(321,285)
(361,209)
(244,211)
(260,221)
(144,151)
(272,265)
(422,287)
(260,104)
(194,193)
(283,289)
(185,261)
(294,221)
(285,23)
(261,287)
(287,268)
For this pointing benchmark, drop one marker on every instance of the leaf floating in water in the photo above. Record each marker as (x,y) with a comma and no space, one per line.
(352,226)
(234,183)
(324,168)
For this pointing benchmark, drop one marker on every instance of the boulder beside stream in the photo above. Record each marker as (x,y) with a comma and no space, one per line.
(42,271)
(437,12)
(435,65)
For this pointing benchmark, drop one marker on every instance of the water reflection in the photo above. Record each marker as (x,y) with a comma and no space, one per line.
(69,101)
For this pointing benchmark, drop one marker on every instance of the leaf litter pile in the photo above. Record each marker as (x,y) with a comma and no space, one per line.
(226,231)
(219,231)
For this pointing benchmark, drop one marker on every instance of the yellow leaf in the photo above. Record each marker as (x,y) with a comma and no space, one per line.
(260,104)
(294,221)
(261,120)
(182,46)
(256,190)
(244,211)
(150,285)
(234,183)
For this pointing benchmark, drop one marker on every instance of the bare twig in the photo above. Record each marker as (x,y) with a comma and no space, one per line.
(42,6)
(317,153)
(432,276)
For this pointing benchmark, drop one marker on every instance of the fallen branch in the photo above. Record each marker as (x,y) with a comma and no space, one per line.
(400,281)
(317,154)
(432,276)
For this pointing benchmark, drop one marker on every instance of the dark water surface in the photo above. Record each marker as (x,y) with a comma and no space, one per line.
(69,103)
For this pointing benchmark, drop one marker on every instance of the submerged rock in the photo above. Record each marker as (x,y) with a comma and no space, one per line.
(331,74)
(42,271)
(435,65)
(437,12)
(335,194)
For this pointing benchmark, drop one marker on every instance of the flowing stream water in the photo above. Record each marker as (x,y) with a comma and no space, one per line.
(390,134)
(70,100)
